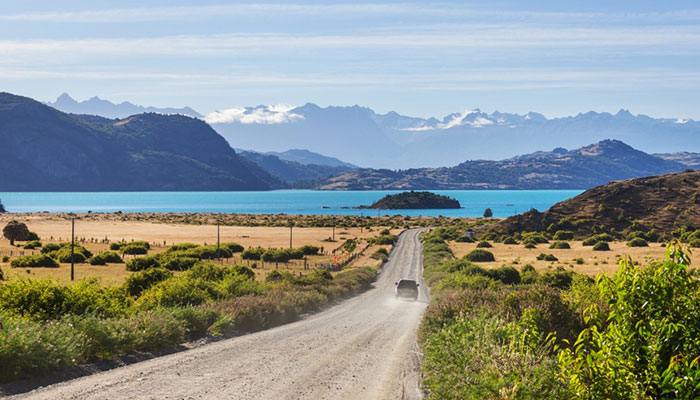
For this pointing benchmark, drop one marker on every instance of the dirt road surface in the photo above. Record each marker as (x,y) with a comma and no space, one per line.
(363,348)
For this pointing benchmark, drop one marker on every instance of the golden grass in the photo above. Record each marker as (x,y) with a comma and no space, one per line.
(595,262)
(50,229)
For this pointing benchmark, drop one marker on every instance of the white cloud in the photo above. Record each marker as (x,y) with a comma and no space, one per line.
(277,114)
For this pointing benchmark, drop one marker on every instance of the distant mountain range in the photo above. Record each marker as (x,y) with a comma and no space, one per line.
(363,137)
(583,168)
(47,150)
(107,109)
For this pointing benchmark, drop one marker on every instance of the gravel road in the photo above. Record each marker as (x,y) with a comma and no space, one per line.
(363,348)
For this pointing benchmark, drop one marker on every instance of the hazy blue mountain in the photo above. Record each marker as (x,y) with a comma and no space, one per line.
(583,168)
(107,109)
(362,137)
(293,172)
(306,157)
(47,150)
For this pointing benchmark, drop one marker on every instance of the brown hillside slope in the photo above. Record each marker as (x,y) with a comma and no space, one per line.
(662,203)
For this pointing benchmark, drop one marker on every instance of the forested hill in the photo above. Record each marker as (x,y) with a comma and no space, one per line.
(583,168)
(48,150)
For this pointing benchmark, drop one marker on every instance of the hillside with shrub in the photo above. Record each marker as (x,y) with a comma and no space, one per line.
(48,150)
(668,205)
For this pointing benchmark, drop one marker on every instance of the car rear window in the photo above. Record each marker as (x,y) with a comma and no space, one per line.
(404,284)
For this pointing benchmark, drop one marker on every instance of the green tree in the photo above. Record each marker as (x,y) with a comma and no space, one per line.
(488,213)
(15,230)
(2,207)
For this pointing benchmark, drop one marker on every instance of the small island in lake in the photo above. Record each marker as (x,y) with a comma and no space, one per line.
(414,201)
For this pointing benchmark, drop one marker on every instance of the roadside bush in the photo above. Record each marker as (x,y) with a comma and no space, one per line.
(383,240)
(139,281)
(181,247)
(530,245)
(483,245)
(381,254)
(141,263)
(506,274)
(601,246)
(547,257)
(563,235)
(34,261)
(480,255)
(560,245)
(637,242)
(559,278)
(177,292)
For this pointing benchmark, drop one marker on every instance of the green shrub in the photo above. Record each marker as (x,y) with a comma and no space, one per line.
(232,247)
(637,242)
(139,281)
(253,254)
(547,257)
(559,278)
(510,240)
(33,236)
(133,249)
(64,255)
(535,237)
(34,261)
(483,245)
(50,247)
(603,237)
(384,240)
(116,246)
(646,345)
(480,255)
(32,245)
(506,274)
(601,246)
(177,292)
(105,257)
(176,262)
(560,245)
(530,245)
(563,235)
(309,250)
(142,263)
(182,247)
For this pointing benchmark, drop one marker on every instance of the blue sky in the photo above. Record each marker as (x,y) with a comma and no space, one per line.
(417,58)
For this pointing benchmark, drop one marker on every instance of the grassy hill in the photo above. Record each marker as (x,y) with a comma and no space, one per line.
(661,203)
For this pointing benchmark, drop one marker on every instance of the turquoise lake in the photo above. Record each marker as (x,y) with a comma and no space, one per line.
(503,202)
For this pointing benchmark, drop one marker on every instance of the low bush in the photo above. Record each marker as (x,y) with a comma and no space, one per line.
(141,263)
(34,261)
(510,240)
(602,237)
(32,245)
(637,242)
(480,255)
(133,249)
(232,247)
(535,237)
(547,257)
(483,245)
(560,245)
(309,250)
(105,257)
(252,253)
(50,247)
(139,281)
(563,235)
(383,240)
(530,245)
(601,246)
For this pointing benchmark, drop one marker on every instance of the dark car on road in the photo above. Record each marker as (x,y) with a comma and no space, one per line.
(407,289)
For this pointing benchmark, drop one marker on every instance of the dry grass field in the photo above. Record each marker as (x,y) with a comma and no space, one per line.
(594,262)
(95,234)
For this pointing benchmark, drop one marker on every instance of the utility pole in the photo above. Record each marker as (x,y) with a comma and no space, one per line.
(291,225)
(218,238)
(72,248)
(334,229)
